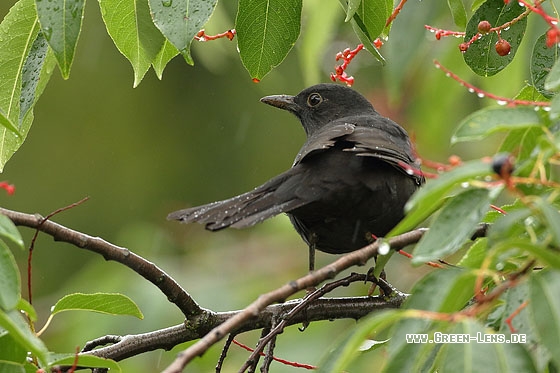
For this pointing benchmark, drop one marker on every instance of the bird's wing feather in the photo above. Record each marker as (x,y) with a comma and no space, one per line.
(370,136)
(322,140)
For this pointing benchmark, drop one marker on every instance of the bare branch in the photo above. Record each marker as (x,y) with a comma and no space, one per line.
(321,309)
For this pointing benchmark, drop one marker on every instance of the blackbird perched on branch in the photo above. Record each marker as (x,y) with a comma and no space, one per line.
(348,184)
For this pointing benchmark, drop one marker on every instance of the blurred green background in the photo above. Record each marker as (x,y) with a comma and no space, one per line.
(201,135)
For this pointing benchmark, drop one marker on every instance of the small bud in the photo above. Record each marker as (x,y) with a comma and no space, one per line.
(484,27)
(463,47)
(503,47)
(503,164)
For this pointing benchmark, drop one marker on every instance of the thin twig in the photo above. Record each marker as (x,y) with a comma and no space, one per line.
(277,329)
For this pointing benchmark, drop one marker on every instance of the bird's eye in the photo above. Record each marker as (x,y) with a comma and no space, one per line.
(314,99)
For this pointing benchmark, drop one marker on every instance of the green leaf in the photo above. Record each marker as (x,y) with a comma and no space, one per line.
(10,282)
(349,346)
(372,14)
(542,60)
(552,80)
(7,123)
(547,256)
(352,8)
(166,54)
(11,367)
(475,255)
(458,12)
(31,74)
(19,31)
(11,351)
(109,303)
(180,20)
(481,56)
(416,356)
(510,225)
(521,142)
(26,307)
(460,216)
(440,291)
(9,231)
(544,305)
(368,45)
(130,25)
(430,197)
(484,122)
(84,360)
(61,22)
(555,107)
(482,357)
(14,323)
(266,32)
(551,218)
(450,291)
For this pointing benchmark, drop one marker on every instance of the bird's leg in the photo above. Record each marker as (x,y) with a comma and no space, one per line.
(312,249)
(311,258)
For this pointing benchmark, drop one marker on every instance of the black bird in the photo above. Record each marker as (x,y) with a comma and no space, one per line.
(348,184)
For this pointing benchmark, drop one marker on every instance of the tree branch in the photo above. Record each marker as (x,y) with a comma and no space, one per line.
(168,286)
(123,347)
(358,257)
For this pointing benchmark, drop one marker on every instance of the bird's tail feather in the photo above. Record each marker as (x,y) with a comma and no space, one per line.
(241,211)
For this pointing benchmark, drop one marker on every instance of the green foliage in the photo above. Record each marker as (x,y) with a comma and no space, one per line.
(460,215)
(25,71)
(481,55)
(482,123)
(112,304)
(61,23)
(266,30)
(135,35)
(178,21)
(37,35)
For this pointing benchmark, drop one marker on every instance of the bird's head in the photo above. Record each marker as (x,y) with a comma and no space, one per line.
(322,103)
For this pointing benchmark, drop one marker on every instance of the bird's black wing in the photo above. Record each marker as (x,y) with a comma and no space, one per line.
(370,136)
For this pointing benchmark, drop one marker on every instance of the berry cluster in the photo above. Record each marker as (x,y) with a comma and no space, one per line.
(503,47)
(347,56)
(484,27)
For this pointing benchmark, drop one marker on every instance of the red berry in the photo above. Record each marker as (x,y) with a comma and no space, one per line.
(463,47)
(552,37)
(484,27)
(503,47)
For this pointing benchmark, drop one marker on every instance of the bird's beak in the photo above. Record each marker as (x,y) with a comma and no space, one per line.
(284,102)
